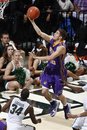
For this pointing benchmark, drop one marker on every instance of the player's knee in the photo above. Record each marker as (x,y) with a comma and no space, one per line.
(16,84)
(44,92)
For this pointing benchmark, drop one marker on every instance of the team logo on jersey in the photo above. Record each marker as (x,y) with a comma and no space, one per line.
(45,82)
(53,62)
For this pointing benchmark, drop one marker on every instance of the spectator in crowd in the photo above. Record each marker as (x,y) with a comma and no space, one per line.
(48,11)
(18,109)
(68,7)
(81,4)
(37,64)
(16,21)
(81,50)
(78,74)
(30,58)
(6,58)
(75,69)
(79,15)
(4,42)
(15,75)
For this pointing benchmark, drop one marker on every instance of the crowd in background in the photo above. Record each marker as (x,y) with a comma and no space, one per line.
(20,30)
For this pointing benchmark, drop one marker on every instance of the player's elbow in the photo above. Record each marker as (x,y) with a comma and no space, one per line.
(63,50)
(49,58)
(39,33)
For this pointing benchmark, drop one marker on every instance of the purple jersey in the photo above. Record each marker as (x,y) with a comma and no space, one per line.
(56,65)
(54,72)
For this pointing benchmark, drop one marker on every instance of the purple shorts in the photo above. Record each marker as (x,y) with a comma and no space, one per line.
(54,81)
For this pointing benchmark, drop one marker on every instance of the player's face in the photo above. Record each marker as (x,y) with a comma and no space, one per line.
(56,35)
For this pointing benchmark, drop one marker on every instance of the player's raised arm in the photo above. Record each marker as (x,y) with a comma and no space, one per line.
(39,32)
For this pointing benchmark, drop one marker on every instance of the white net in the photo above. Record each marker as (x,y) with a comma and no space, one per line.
(3,4)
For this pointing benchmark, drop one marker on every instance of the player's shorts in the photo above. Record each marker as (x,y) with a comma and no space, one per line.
(53,81)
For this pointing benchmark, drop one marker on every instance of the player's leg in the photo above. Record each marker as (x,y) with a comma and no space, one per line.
(46,81)
(58,89)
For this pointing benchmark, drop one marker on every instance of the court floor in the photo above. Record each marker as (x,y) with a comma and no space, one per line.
(54,123)
(41,108)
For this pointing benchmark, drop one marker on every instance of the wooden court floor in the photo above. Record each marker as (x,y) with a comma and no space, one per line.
(54,123)
(40,103)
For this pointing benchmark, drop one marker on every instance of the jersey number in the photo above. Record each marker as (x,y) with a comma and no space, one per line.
(16,110)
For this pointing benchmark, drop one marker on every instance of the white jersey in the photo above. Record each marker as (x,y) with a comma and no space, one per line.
(81,122)
(84,87)
(16,111)
(84,126)
(85,99)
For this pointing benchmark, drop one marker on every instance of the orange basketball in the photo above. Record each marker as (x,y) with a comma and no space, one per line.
(33,12)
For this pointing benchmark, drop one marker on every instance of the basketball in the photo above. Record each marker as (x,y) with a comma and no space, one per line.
(33,12)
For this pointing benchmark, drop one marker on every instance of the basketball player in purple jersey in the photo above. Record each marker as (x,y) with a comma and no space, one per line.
(54,73)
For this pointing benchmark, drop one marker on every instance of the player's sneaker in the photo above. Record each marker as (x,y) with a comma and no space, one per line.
(67,110)
(53,108)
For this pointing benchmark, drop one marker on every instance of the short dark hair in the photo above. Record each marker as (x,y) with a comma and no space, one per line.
(25,94)
(4,33)
(63,33)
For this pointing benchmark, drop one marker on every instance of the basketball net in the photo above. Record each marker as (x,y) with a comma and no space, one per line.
(3,4)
